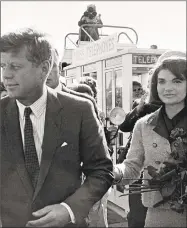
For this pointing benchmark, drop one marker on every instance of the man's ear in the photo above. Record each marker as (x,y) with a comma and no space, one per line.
(45,68)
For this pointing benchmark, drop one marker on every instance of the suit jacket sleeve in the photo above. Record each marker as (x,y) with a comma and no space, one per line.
(133,164)
(97,165)
(135,115)
(130,119)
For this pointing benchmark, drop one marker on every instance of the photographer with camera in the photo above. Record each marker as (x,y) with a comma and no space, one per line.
(90,17)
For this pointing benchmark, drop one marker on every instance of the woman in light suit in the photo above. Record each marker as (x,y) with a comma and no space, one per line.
(159,145)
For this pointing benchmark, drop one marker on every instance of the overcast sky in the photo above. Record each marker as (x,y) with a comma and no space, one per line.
(156,22)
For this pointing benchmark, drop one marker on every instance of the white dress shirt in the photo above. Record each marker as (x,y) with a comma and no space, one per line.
(38,121)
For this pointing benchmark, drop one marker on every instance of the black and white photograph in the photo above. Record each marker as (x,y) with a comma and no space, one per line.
(93,114)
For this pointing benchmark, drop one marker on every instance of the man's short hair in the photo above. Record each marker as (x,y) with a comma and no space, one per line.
(38,45)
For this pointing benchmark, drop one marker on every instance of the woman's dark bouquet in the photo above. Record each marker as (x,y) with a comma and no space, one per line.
(171,179)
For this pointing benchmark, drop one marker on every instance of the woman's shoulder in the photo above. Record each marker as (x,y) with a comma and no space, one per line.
(148,118)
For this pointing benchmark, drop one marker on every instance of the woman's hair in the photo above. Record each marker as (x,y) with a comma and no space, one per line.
(170,53)
(135,83)
(91,83)
(176,65)
(83,88)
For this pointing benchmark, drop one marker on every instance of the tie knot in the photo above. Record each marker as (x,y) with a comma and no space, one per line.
(28,111)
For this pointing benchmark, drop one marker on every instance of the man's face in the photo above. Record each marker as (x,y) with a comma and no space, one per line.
(22,79)
(53,78)
(171,90)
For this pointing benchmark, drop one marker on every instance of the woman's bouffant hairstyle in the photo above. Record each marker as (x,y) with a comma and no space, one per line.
(83,88)
(177,66)
(90,82)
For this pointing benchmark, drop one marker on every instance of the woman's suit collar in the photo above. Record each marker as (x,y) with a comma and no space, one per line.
(158,123)
(154,117)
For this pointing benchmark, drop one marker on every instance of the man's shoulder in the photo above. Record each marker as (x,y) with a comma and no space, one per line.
(72,100)
(4,102)
(70,97)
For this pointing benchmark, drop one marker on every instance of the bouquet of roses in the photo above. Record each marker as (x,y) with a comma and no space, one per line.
(171,180)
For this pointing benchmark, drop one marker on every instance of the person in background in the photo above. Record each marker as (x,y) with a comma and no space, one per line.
(55,82)
(140,108)
(156,149)
(83,88)
(90,17)
(3,90)
(137,91)
(97,216)
(48,139)
(92,83)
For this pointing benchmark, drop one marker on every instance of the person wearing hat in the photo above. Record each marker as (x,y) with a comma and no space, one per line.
(171,53)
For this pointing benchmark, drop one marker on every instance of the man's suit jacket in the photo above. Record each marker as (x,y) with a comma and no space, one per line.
(69,119)
(84,95)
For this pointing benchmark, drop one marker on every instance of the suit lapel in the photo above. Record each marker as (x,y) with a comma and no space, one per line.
(13,134)
(182,124)
(157,121)
(52,132)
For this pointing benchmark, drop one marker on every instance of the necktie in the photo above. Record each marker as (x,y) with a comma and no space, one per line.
(31,158)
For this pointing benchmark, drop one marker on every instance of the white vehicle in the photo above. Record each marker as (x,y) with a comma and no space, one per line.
(114,61)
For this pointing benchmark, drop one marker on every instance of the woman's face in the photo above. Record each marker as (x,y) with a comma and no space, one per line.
(171,90)
(137,92)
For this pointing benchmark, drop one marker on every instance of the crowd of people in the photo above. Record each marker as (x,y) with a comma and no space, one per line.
(56,169)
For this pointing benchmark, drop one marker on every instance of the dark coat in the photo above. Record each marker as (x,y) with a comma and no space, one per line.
(83,95)
(129,122)
(134,115)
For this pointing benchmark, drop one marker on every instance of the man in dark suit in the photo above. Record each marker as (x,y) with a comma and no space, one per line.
(47,140)
(55,81)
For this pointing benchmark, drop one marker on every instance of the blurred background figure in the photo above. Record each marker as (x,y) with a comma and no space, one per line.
(57,82)
(53,80)
(3,90)
(90,17)
(168,54)
(92,83)
(83,88)
(154,46)
(137,90)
